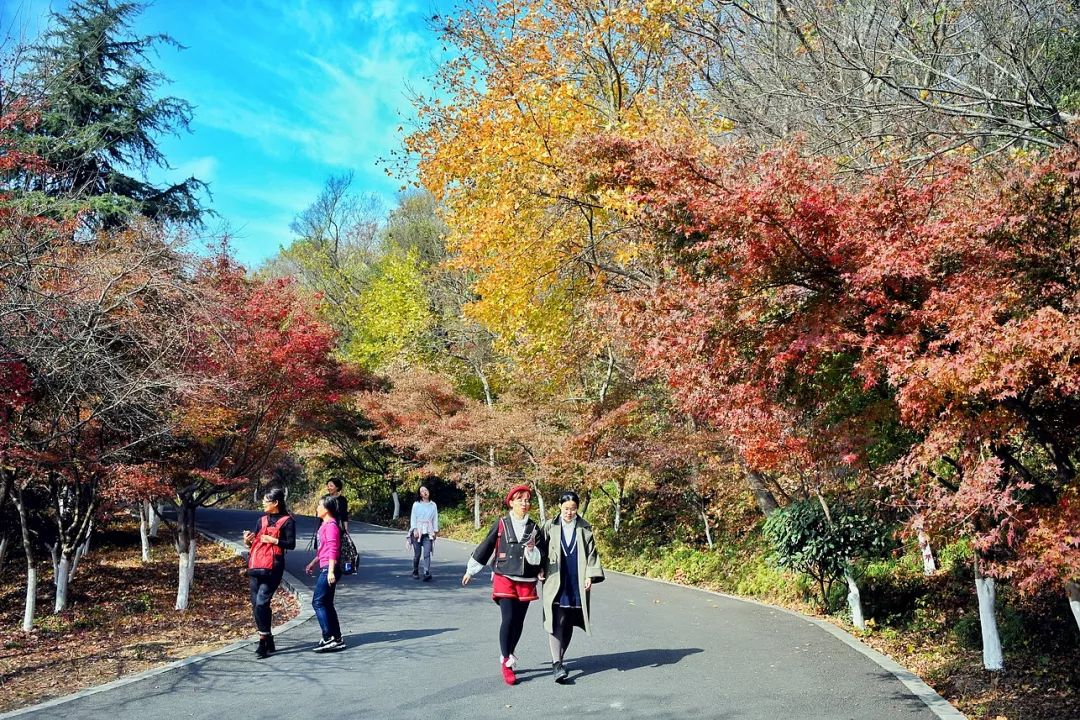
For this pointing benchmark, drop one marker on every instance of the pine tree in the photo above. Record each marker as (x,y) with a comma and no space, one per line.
(100,117)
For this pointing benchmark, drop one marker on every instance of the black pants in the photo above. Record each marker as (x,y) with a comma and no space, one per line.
(513,621)
(262,590)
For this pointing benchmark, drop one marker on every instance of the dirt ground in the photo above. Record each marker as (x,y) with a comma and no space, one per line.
(120,618)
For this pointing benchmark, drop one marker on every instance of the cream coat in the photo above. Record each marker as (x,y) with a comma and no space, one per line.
(588,566)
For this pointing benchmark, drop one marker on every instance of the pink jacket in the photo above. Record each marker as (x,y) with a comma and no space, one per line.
(329,543)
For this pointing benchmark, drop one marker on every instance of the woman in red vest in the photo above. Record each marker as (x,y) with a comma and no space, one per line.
(276,532)
(513,547)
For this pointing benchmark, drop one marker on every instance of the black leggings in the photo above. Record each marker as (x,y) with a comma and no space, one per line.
(513,621)
(562,625)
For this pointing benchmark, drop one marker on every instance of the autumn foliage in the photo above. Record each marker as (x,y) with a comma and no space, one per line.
(916,330)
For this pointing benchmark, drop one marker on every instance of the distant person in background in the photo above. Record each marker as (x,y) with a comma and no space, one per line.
(573,567)
(513,547)
(334,486)
(423,529)
(265,582)
(326,559)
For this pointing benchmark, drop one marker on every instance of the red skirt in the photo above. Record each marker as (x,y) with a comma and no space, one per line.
(504,587)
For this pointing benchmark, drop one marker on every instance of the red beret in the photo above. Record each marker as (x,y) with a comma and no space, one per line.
(515,490)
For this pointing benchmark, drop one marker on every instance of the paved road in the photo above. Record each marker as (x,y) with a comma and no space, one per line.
(430,650)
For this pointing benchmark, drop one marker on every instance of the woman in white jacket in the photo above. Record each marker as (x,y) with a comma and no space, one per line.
(423,529)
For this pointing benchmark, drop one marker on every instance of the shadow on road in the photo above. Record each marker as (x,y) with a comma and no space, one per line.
(633,660)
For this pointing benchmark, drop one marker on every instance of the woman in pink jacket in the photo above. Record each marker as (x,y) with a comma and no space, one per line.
(326,558)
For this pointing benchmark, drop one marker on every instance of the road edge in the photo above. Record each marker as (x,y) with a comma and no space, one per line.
(289,581)
(934,702)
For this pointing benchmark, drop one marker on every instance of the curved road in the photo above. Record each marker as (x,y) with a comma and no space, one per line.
(430,651)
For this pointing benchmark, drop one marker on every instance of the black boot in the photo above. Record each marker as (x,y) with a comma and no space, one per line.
(270,644)
(262,650)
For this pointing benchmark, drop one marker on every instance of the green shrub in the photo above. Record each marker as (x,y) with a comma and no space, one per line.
(804,539)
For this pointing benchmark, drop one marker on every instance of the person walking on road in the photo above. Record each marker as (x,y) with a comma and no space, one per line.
(276,529)
(513,546)
(322,600)
(334,486)
(423,529)
(572,568)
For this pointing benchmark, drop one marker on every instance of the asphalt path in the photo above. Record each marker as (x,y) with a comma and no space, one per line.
(421,650)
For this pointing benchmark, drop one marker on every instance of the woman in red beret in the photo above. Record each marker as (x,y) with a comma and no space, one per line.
(513,547)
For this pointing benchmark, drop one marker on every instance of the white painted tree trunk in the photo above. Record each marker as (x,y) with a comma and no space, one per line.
(145,511)
(854,600)
(397,504)
(929,565)
(155,520)
(81,551)
(3,551)
(1073,591)
(708,530)
(186,573)
(63,574)
(31,599)
(476,508)
(540,504)
(992,657)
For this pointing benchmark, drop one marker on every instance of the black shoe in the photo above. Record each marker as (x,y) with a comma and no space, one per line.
(261,651)
(559,671)
(270,648)
(427,577)
(416,574)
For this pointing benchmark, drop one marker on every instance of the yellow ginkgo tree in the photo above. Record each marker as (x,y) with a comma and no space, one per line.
(534,81)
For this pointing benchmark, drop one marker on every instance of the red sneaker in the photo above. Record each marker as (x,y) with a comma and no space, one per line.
(508,675)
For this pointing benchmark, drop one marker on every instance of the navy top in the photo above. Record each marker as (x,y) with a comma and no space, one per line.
(569,592)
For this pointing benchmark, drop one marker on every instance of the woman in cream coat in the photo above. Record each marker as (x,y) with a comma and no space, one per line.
(572,567)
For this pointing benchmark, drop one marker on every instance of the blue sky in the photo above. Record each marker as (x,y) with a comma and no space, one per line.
(285,94)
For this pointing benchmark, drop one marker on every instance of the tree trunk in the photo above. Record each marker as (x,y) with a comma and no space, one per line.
(929,565)
(31,598)
(540,503)
(145,511)
(155,518)
(854,600)
(1073,591)
(63,574)
(3,550)
(765,499)
(185,549)
(31,561)
(185,574)
(984,588)
(708,530)
(397,503)
(476,506)
(82,550)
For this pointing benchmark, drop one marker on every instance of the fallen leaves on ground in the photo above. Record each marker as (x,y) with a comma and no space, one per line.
(120,618)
